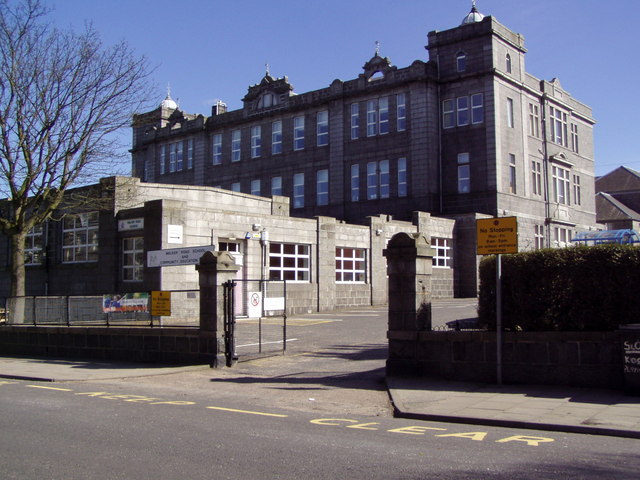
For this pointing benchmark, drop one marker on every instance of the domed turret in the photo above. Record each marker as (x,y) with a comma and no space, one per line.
(474,15)
(168,102)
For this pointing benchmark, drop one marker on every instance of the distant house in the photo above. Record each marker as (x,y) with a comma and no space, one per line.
(618,199)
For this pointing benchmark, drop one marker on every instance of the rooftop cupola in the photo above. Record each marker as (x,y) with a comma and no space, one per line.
(474,15)
(168,102)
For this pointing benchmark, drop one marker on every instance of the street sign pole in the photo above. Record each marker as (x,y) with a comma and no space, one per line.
(499,318)
(497,236)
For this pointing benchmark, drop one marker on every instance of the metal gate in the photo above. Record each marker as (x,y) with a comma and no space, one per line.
(256,323)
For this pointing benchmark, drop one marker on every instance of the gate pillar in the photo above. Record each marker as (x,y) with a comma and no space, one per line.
(409,268)
(215,268)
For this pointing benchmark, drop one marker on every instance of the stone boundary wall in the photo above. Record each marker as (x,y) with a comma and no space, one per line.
(581,359)
(160,345)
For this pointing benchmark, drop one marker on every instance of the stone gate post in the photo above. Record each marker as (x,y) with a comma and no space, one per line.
(409,270)
(215,268)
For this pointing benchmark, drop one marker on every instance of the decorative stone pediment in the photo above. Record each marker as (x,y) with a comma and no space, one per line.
(377,67)
(269,93)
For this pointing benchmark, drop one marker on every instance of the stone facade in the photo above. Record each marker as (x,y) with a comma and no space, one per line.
(467,132)
(134,218)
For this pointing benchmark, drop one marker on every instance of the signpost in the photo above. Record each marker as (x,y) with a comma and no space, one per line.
(177,256)
(160,304)
(497,236)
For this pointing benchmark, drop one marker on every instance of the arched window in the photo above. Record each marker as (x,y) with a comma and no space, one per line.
(508,63)
(461,62)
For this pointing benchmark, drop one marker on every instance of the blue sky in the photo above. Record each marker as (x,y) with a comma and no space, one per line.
(215,49)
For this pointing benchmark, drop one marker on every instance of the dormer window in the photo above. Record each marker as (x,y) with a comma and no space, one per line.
(508,63)
(267,100)
(376,76)
(461,62)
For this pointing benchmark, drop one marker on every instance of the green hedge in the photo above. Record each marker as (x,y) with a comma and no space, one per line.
(569,289)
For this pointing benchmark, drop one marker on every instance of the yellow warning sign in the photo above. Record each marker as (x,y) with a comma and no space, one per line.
(497,235)
(160,303)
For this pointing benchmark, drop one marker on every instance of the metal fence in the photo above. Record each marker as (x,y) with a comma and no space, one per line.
(89,310)
(260,314)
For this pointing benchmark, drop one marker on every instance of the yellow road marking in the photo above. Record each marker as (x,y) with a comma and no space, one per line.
(249,412)
(50,388)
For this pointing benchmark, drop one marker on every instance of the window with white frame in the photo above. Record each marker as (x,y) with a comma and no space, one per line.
(461,62)
(464,173)
(322,187)
(276,137)
(190,146)
(80,238)
(534,120)
(216,149)
(289,261)
(372,180)
(298,190)
(462,104)
(510,116)
(558,129)
(350,265)
(463,111)
(401,112)
(378,180)
(163,159)
(355,121)
(236,142)
(384,178)
(276,185)
(255,187)
(561,236)
(229,246)
(256,141)
(298,133)
(175,157)
(477,108)
(441,252)
(448,114)
(34,246)
(402,177)
(512,174)
(560,177)
(372,118)
(574,138)
(383,115)
(132,259)
(538,237)
(536,177)
(577,190)
(355,183)
(322,128)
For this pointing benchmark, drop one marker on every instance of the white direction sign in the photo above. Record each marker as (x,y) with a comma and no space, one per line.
(177,256)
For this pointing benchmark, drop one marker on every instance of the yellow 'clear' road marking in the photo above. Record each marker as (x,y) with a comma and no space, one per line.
(50,388)
(249,412)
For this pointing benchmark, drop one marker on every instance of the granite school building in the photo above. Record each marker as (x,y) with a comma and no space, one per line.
(327,263)
(467,132)
(310,187)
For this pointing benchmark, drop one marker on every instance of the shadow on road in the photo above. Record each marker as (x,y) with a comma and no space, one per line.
(331,367)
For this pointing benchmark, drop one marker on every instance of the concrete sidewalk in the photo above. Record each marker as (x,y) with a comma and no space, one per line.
(67,370)
(565,409)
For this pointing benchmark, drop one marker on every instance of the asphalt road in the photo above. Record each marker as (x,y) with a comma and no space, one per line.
(126,431)
(319,412)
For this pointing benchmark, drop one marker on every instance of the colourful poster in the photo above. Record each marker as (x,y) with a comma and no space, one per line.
(126,302)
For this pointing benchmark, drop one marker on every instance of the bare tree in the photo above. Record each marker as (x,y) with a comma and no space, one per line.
(62,96)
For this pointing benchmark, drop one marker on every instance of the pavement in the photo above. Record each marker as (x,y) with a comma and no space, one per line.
(551,408)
